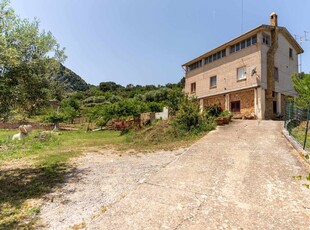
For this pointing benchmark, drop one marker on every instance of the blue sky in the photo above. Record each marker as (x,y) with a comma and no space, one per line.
(147,41)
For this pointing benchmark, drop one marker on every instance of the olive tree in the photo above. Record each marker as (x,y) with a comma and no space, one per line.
(28,56)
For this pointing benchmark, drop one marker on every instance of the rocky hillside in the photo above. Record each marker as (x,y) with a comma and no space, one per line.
(70,80)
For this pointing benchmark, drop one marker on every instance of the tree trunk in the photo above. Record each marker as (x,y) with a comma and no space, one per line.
(56,126)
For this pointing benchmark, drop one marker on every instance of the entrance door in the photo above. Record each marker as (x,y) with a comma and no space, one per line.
(235,106)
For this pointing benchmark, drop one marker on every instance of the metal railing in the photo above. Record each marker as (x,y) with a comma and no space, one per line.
(296,122)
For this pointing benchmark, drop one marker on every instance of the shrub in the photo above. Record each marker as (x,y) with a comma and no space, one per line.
(213,111)
(190,120)
(94,99)
(225,113)
(155,106)
(55,118)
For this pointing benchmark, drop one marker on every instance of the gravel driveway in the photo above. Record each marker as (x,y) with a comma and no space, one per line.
(241,176)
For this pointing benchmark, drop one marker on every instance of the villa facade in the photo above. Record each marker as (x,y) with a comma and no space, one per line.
(249,75)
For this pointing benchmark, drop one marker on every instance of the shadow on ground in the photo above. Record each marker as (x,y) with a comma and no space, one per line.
(19,185)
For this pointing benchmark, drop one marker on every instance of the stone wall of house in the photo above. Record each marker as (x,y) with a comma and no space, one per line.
(220,100)
(246,99)
(225,69)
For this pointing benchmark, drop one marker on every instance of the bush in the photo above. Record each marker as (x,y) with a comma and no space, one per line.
(213,111)
(55,118)
(190,120)
(155,107)
(225,113)
(94,99)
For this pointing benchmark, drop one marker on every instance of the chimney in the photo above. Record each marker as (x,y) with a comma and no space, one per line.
(273,19)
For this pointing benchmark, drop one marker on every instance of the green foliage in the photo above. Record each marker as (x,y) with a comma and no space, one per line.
(26,55)
(54,117)
(114,99)
(71,102)
(126,107)
(225,113)
(110,86)
(155,106)
(95,101)
(190,119)
(157,95)
(302,86)
(175,97)
(213,111)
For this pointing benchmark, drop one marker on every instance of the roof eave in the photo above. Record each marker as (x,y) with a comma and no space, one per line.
(257,29)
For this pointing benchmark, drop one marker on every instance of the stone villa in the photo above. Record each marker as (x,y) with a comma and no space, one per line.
(250,74)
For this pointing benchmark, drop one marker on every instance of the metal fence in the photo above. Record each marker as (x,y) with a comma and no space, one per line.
(296,121)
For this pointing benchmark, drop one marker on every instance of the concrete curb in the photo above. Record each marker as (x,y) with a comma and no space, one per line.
(296,145)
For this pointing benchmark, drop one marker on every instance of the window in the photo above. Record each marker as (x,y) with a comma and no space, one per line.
(241,73)
(213,82)
(254,39)
(291,53)
(276,74)
(193,87)
(237,46)
(248,42)
(215,56)
(210,59)
(233,49)
(219,55)
(195,65)
(243,44)
(266,39)
(235,106)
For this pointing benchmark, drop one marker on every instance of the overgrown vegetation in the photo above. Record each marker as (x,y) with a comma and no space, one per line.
(301,83)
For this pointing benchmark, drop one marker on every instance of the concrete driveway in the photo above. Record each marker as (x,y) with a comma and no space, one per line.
(241,176)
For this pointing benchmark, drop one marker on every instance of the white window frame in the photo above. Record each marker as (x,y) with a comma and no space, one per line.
(241,73)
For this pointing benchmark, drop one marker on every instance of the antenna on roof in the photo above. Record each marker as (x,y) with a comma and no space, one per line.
(306,32)
(301,40)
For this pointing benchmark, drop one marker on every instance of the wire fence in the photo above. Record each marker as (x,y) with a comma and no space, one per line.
(296,122)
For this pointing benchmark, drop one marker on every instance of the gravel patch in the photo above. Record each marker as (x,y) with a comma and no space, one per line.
(100,179)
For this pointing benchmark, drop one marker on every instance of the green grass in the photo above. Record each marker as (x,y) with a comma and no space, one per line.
(299,134)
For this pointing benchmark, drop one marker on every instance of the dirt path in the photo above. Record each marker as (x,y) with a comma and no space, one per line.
(100,180)
(238,177)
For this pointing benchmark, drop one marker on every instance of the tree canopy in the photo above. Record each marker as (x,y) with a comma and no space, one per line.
(28,57)
(302,86)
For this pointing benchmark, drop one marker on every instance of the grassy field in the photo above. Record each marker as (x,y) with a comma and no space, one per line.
(31,168)
(299,134)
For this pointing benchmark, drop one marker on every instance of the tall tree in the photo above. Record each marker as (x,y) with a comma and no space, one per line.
(302,86)
(28,57)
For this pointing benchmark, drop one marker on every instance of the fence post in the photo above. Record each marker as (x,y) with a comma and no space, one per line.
(291,108)
(307,127)
(285,114)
